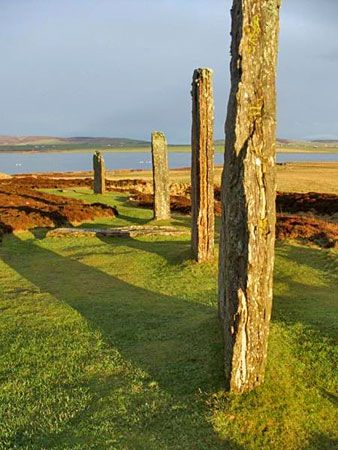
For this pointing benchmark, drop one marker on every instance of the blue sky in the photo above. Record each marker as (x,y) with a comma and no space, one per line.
(123,68)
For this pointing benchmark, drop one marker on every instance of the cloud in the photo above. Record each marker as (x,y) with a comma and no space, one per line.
(124,68)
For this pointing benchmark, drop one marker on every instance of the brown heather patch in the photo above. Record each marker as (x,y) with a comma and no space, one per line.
(23,208)
(307,229)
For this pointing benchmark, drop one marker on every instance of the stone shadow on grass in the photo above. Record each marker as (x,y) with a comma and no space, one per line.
(304,302)
(176,342)
(164,248)
(321,441)
(131,317)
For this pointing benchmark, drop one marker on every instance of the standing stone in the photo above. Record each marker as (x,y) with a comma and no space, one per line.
(202,166)
(160,176)
(99,174)
(248,193)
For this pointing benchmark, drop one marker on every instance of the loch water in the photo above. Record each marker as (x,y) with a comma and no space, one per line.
(14,162)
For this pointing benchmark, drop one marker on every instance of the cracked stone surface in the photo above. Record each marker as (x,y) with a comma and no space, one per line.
(99,173)
(202,167)
(132,231)
(161,184)
(248,194)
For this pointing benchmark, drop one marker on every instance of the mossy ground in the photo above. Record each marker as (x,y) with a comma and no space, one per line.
(115,344)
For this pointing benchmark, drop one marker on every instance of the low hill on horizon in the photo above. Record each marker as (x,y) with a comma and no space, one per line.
(283,141)
(87,143)
(77,140)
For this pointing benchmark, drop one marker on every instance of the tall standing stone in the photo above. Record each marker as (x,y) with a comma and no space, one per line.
(202,167)
(99,173)
(161,182)
(248,193)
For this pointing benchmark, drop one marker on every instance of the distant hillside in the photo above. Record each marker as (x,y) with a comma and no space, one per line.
(279,141)
(42,143)
(83,143)
(219,142)
(326,141)
(25,140)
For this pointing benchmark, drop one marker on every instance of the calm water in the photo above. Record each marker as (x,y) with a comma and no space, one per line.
(66,162)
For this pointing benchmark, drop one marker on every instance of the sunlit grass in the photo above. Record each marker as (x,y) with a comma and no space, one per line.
(115,344)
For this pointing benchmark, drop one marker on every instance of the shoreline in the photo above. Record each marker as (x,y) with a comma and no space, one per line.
(171,149)
(84,173)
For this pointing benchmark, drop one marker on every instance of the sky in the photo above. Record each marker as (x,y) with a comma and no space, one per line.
(122,68)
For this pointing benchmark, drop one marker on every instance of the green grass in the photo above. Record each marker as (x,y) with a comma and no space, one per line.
(115,344)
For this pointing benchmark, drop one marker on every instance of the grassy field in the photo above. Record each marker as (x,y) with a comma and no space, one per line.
(291,177)
(297,177)
(115,344)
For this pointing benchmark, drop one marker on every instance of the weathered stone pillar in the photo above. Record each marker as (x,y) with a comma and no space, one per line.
(161,184)
(202,166)
(99,173)
(248,193)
